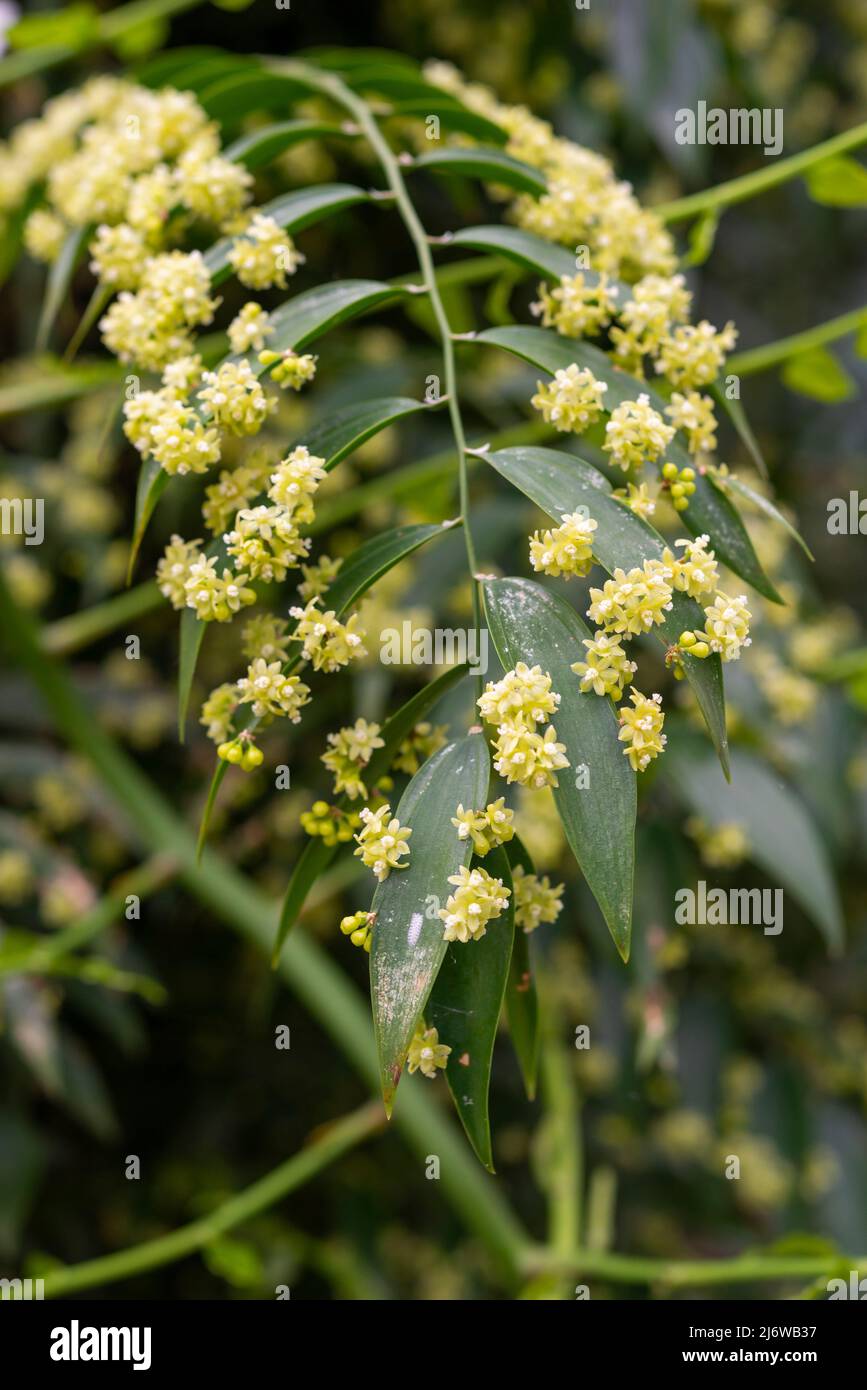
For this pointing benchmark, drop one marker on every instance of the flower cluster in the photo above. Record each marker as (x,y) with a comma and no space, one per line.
(271,692)
(535,900)
(290,370)
(693,413)
(579,307)
(478,899)
(607,669)
(350,751)
(426,1053)
(633,602)
(264,255)
(488,828)
(726,630)
(572,400)
(328,643)
(641,729)
(382,841)
(216,597)
(250,328)
(636,433)
(566,550)
(516,704)
(153,325)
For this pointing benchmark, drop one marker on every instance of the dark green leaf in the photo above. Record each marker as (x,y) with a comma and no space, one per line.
(347,429)
(231,97)
(709,510)
(783,839)
(764,504)
(316,856)
(522,1002)
(374,558)
(465,1006)
(560,483)
(452,115)
(738,416)
(305,318)
(59,279)
(261,146)
(293,212)
(523,247)
(529,623)
(192,635)
(152,483)
(477,162)
(408,945)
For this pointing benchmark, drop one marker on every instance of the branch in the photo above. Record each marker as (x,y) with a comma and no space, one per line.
(332,1144)
(759,359)
(749,185)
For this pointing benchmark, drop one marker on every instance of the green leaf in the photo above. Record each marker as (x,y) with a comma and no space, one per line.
(152,483)
(346,430)
(408,946)
(702,236)
(374,558)
(709,510)
(230,98)
(465,1006)
(783,839)
(73,26)
(522,247)
(301,320)
(293,212)
(265,144)
(492,165)
(738,416)
(840,182)
(529,623)
(764,504)
(189,68)
(560,483)
(453,116)
(316,855)
(192,632)
(522,1001)
(59,279)
(819,375)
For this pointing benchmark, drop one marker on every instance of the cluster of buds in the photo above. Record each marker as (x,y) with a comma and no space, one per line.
(332,823)
(680,483)
(241,752)
(359,928)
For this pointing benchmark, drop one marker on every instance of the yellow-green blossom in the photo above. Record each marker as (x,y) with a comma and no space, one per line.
(641,729)
(535,900)
(426,1053)
(572,400)
(478,899)
(382,842)
(636,433)
(566,550)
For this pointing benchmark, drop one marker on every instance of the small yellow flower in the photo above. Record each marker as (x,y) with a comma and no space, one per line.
(426,1053)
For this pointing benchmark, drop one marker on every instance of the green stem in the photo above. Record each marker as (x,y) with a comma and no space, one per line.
(320,985)
(565,1166)
(749,185)
(80,629)
(359,109)
(741,1269)
(337,1140)
(142,881)
(759,359)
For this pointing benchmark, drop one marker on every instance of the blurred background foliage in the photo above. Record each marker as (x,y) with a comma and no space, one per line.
(713,1040)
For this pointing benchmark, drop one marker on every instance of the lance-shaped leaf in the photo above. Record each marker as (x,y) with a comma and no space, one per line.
(237,94)
(293,212)
(709,510)
(190,68)
(764,504)
(261,146)
(192,636)
(59,279)
(561,483)
(316,855)
(453,116)
(152,483)
(528,250)
(465,1006)
(529,623)
(781,835)
(522,1001)
(347,429)
(477,162)
(301,320)
(408,945)
(738,416)
(373,559)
